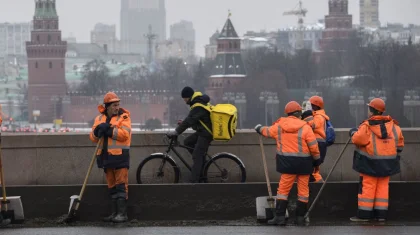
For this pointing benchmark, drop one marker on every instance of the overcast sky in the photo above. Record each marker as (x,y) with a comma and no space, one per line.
(79,16)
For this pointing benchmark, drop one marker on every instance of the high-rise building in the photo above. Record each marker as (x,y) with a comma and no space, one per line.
(211,48)
(369,13)
(184,33)
(13,37)
(136,16)
(46,63)
(105,36)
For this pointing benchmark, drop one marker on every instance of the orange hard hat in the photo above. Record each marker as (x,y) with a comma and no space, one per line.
(317,100)
(377,104)
(111,97)
(292,107)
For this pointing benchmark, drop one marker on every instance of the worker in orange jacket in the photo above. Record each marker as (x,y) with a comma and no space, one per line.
(297,154)
(378,141)
(318,121)
(114,125)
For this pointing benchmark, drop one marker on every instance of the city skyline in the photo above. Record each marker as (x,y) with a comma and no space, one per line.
(266,16)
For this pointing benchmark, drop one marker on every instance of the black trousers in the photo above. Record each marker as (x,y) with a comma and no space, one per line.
(199,145)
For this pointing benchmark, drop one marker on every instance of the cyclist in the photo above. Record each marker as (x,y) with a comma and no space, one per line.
(201,139)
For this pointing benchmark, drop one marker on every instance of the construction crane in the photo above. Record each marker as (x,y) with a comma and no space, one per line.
(301,13)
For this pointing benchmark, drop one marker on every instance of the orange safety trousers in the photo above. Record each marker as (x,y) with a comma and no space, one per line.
(286,183)
(317,177)
(117,180)
(373,197)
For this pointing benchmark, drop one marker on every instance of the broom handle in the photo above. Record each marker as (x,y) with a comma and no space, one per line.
(265,167)
(88,172)
(326,179)
(3,186)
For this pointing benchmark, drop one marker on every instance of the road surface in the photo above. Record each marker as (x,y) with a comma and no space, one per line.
(218,230)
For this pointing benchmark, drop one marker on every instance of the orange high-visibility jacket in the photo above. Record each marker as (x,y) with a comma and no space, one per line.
(297,147)
(117,145)
(378,141)
(318,123)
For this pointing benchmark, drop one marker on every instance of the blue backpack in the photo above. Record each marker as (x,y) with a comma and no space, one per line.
(329,132)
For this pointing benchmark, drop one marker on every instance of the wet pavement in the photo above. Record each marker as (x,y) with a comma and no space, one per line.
(216,230)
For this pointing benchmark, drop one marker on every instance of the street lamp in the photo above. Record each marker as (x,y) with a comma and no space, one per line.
(411,106)
(239,99)
(35,99)
(145,99)
(168,101)
(269,98)
(356,105)
(55,99)
(229,97)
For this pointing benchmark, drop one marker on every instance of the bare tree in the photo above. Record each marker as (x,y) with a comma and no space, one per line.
(95,78)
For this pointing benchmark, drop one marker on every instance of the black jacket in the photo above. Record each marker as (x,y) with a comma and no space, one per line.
(196,114)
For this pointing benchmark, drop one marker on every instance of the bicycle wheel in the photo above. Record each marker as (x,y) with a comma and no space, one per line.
(224,168)
(157,169)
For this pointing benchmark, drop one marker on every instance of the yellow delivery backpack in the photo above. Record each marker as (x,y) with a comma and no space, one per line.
(223,119)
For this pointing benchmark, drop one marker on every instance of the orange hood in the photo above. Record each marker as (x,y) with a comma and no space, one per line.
(291,124)
(322,113)
(381,126)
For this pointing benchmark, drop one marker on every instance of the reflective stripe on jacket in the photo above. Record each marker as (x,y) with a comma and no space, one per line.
(118,143)
(297,147)
(378,141)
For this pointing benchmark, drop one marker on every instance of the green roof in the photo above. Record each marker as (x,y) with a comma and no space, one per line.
(45,8)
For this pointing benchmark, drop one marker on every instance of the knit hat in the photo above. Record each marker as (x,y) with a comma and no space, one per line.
(187,92)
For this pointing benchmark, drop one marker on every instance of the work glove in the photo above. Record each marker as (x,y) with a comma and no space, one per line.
(104,126)
(172,134)
(101,129)
(306,114)
(258,128)
(99,133)
(352,131)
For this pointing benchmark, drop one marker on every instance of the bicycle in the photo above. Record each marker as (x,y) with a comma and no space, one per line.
(165,170)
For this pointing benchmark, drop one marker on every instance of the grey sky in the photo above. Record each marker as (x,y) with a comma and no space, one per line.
(79,16)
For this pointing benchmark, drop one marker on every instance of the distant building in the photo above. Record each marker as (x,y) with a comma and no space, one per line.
(70,39)
(177,48)
(184,32)
(399,33)
(285,40)
(46,63)
(229,68)
(105,36)
(369,13)
(13,37)
(338,26)
(211,48)
(136,16)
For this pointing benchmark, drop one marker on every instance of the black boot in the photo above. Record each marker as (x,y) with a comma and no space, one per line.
(4,222)
(301,209)
(122,211)
(280,218)
(114,211)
